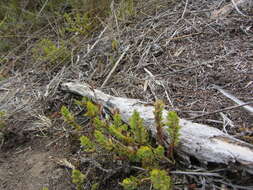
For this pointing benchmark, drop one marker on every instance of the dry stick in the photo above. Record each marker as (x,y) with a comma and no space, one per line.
(233,98)
(185,7)
(100,35)
(185,36)
(115,66)
(237,9)
(196,173)
(44,5)
(221,110)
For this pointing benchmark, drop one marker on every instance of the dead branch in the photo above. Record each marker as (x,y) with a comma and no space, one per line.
(235,99)
(203,142)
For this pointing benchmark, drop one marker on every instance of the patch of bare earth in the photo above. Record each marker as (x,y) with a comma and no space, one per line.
(33,165)
(177,53)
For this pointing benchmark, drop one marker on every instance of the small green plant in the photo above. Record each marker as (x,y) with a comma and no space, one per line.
(132,143)
(160,179)
(87,144)
(172,127)
(158,113)
(78,178)
(173,130)
(69,118)
(47,51)
(130,183)
(95,186)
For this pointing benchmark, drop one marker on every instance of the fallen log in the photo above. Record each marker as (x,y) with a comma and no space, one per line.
(205,143)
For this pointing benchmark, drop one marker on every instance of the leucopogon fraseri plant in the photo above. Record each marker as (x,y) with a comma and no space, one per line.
(131,142)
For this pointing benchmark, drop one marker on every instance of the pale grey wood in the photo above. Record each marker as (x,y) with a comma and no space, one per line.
(203,142)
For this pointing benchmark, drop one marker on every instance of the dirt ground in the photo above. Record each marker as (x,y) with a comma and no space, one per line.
(33,165)
(174,55)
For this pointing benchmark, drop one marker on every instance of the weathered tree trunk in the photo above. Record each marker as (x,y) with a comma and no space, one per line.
(205,143)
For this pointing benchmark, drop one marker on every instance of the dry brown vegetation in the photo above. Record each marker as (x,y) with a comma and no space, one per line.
(174,51)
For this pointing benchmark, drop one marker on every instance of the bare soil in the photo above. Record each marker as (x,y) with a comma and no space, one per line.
(33,165)
(172,57)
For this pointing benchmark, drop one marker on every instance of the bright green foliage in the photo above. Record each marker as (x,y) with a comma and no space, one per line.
(158,113)
(78,178)
(81,102)
(118,134)
(92,109)
(159,151)
(117,122)
(95,186)
(147,157)
(103,140)
(87,144)
(160,180)
(99,124)
(47,51)
(140,133)
(119,130)
(173,123)
(130,183)
(66,114)
(173,130)
(69,118)
(131,143)
(45,188)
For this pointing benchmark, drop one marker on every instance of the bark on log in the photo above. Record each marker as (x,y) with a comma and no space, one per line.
(203,142)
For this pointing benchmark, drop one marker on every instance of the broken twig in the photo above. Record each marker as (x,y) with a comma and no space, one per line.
(115,66)
(233,98)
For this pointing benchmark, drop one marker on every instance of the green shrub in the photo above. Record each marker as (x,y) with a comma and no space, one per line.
(47,51)
(78,178)
(132,143)
(160,179)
